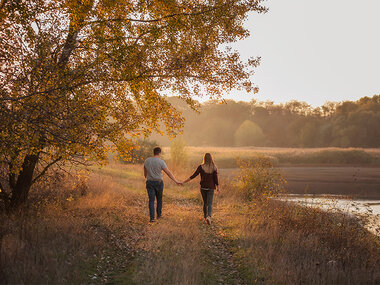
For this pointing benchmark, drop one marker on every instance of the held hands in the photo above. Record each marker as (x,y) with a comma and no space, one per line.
(181,183)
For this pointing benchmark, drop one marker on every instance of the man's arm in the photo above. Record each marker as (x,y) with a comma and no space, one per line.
(145,172)
(171,176)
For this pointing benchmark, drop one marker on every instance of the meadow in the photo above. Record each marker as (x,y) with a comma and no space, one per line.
(93,227)
(226,156)
(82,79)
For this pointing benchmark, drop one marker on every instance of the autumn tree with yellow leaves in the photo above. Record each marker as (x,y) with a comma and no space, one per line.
(78,77)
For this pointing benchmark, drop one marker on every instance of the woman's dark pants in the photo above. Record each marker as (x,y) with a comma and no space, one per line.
(155,190)
(207,196)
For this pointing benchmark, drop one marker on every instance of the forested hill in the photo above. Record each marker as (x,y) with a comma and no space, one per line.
(292,124)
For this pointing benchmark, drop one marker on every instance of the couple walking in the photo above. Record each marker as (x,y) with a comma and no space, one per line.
(153,168)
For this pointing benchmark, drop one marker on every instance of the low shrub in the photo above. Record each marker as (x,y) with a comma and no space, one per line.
(259,179)
(178,154)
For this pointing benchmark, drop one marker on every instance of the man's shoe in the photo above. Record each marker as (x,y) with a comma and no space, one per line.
(151,221)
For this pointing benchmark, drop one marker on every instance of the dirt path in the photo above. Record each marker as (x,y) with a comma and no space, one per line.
(181,249)
(223,267)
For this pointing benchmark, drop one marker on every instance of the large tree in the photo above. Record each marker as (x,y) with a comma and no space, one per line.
(79,76)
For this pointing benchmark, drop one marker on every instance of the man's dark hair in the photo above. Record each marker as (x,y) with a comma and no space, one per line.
(156,150)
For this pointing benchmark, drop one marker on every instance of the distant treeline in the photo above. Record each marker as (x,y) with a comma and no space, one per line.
(292,124)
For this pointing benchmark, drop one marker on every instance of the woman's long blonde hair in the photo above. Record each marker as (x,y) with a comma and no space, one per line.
(208,163)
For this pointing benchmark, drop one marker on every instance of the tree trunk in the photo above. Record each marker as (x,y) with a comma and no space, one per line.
(20,189)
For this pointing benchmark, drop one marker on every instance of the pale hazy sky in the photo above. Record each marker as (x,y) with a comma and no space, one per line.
(314,51)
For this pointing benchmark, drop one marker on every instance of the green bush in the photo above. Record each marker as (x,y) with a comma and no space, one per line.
(259,179)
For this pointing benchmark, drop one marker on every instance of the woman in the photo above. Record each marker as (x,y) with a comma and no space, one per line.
(209,182)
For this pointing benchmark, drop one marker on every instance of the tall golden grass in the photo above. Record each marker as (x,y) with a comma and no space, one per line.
(281,242)
(68,235)
(94,229)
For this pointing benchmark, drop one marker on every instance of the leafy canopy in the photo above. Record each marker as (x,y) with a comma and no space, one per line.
(80,76)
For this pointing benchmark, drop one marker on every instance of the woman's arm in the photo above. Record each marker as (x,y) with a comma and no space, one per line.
(195,174)
(187,180)
(216,182)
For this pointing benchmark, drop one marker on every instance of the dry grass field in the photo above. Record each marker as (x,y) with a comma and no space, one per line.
(94,229)
(226,156)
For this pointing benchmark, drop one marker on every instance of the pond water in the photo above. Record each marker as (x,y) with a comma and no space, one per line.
(331,202)
(370,209)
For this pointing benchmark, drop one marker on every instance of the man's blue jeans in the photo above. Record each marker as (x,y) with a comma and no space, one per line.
(155,190)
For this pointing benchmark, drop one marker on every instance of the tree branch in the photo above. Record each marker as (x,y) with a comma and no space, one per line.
(158,19)
(68,48)
(74,29)
(46,169)
(2,4)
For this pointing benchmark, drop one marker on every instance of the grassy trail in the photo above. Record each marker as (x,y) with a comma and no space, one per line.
(95,230)
(257,243)
(179,248)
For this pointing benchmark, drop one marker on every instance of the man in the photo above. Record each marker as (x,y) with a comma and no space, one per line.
(153,167)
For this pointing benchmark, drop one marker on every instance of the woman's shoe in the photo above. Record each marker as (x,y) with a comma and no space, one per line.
(208,220)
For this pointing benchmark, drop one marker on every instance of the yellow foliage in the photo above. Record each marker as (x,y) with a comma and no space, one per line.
(81,77)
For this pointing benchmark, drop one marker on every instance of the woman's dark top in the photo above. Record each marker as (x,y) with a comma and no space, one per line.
(208,180)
